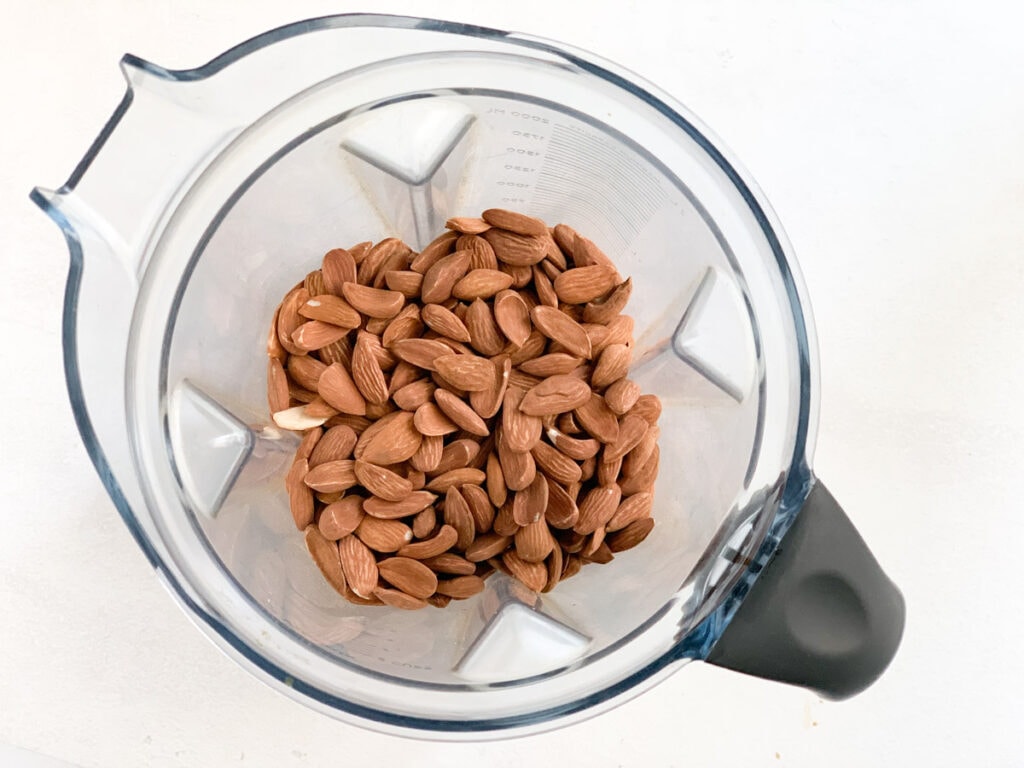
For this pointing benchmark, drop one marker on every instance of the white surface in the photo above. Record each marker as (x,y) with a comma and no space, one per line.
(890,138)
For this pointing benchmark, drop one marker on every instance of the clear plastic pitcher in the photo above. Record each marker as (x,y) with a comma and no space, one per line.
(211,191)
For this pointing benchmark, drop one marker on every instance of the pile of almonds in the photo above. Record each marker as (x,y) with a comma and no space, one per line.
(464,410)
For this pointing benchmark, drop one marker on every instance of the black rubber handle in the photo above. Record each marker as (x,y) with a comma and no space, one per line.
(822,614)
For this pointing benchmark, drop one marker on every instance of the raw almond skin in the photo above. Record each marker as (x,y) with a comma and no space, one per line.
(461,413)
(549,269)
(504,521)
(373,302)
(439,601)
(458,516)
(573,447)
(359,566)
(314,334)
(471,225)
(556,364)
(594,541)
(467,372)
(338,352)
(598,420)
(561,511)
(331,309)
(413,395)
(521,430)
(396,262)
(648,407)
(481,284)
(308,443)
(585,253)
(444,322)
(608,470)
(325,555)
(534,542)
(620,331)
(486,546)
(332,476)
(408,575)
(515,249)
(340,518)
(444,540)
(484,334)
(597,508)
(275,350)
(545,289)
(515,222)
(395,441)
(382,482)
(583,284)
(621,396)
(338,389)
(554,566)
(305,371)
(482,254)
(612,365)
(512,316)
(530,503)
(497,492)
(277,386)
(630,536)
(556,465)
(288,318)
(440,279)
(383,535)
(523,381)
(555,395)
(396,598)
(517,468)
(424,522)
(631,509)
(437,249)
(420,352)
(300,497)
(604,310)
(457,455)
(371,263)
(644,478)
(431,421)
(383,509)
(588,468)
(638,457)
(428,456)
(461,587)
(338,267)
(533,575)
(632,429)
(487,402)
(480,507)
(558,326)
(407,324)
(531,348)
(456,477)
(405,281)
(450,563)
(366,371)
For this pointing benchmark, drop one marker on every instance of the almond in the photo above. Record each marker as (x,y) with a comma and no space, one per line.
(504,521)
(608,470)
(554,565)
(632,429)
(444,322)
(373,302)
(597,508)
(405,281)
(340,518)
(337,388)
(521,430)
(545,289)
(437,249)
(397,262)
(621,396)
(359,566)
(517,467)
(366,371)
(458,516)
(357,424)
(275,350)
(394,440)
(413,395)
(643,479)
(533,575)
(484,334)
(534,542)
(450,563)
(482,254)
(300,497)
(288,318)
(612,365)
(554,364)
(472,225)
(309,441)
(632,508)
(382,482)
(277,386)
(497,492)
(332,476)
(555,395)
(305,371)
(467,372)
(512,316)
(531,502)
(414,502)
(480,507)
(338,268)
(556,465)
(604,310)
(438,601)
(396,598)
(639,456)
(461,413)
(514,222)
(428,456)
(486,402)
(531,348)
(630,536)
(325,555)
(461,587)
(588,468)
(431,421)
(456,477)
(574,448)
(335,444)
(620,331)
(331,309)
(407,324)
(456,455)
(648,407)
(515,249)
(561,511)
(486,546)
(560,327)
(598,420)
(374,261)
(439,280)
(444,540)
(420,352)
(481,284)
(585,253)
(549,268)
(383,535)
(408,575)
(521,276)
(583,284)
(424,523)
(338,352)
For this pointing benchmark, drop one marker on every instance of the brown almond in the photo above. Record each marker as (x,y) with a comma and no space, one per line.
(338,268)
(405,281)
(461,587)
(482,254)
(621,396)
(563,235)
(458,516)
(575,448)
(556,465)
(648,407)
(456,477)
(481,284)
(486,546)
(431,421)
(497,492)
(598,420)
(555,395)
(512,316)
(545,288)
(588,468)
(521,431)
(340,518)
(439,280)
(438,248)
(585,253)
(556,364)
(424,523)
(639,456)
(632,429)
(407,324)
(373,302)
(533,347)
(480,507)
(561,511)
(531,502)
(558,326)
(383,535)
(630,536)
(318,408)
(357,424)
(300,497)
(467,372)
(643,479)
(370,266)
(390,440)
(384,509)
(396,598)
(398,261)
(471,225)
(325,555)
(438,601)
(277,386)
(450,563)
(332,476)
(522,381)
(534,542)
(456,455)
(504,520)
(428,456)
(514,222)
(612,365)
(517,467)
(382,482)
(608,470)
(484,334)
(335,444)
(410,576)
(413,395)
(288,318)
(604,310)
(583,284)
(444,322)
(533,575)
(461,413)
(331,309)
(631,509)
(487,402)
(337,388)
(308,442)
(359,566)
(275,349)
(620,331)
(305,371)
(442,541)
(366,371)
(338,352)
(420,352)
(593,543)
(597,508)
(515,249)
(554,564)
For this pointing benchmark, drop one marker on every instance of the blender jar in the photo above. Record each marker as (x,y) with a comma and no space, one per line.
(210,191)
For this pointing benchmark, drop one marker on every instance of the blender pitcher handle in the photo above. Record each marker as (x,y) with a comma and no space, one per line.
(822,614)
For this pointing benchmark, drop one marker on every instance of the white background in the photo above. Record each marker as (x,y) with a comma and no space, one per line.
(890,138)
